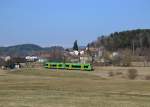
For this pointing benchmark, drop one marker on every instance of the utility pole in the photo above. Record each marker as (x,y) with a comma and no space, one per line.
(133,47)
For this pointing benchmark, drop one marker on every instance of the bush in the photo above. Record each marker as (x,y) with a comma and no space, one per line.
(147,77)
(119,73)
(111,74)
(126,58)
(126,61)
(116,60)
(132,73)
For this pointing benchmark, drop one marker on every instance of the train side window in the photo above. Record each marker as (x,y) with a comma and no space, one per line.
(60,65)
(76,66)
(86,66)
(53,65)
(67,65)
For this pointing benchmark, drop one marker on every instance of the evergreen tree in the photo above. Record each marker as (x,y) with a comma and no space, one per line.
(75,46)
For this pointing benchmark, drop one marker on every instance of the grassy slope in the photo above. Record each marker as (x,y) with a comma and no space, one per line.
(45,88)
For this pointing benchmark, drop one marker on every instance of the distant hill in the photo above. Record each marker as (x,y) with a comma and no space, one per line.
(140,38)
(24,50)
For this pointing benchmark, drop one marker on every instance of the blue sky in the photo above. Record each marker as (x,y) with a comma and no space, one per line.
(60,22)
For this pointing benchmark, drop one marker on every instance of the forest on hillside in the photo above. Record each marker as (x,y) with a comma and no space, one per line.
(137,41)
(132,45)
(139,38)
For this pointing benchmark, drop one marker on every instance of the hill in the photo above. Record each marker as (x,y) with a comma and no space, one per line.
(24,49)
(139,38)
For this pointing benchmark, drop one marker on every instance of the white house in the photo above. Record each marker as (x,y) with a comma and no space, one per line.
(31,58)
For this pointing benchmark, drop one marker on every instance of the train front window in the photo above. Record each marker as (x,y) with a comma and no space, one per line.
(46,64)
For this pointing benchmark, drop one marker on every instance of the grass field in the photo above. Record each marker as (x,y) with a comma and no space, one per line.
(56,88)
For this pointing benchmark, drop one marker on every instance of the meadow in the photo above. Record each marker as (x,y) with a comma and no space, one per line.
(39,87)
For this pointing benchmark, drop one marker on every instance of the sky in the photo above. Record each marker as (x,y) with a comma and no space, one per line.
(61,22)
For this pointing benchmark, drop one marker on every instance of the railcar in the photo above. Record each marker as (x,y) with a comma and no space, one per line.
(69,66)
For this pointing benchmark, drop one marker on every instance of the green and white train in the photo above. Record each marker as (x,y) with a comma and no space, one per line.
(68,66)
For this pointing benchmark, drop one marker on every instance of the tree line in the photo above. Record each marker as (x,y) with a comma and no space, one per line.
(137,39)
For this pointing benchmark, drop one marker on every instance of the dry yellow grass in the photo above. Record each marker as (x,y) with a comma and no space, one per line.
(56,88)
